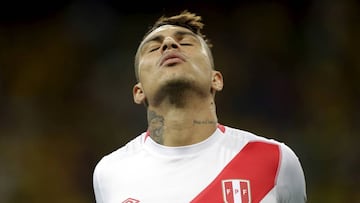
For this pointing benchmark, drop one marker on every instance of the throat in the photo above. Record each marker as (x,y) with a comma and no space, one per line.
(179,128)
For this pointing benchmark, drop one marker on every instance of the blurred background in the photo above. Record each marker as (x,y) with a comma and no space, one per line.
(291,71)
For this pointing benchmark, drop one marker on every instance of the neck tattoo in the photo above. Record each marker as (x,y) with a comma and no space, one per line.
(156,127)
(203,122)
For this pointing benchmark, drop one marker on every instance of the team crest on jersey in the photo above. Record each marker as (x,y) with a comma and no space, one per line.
(236,191)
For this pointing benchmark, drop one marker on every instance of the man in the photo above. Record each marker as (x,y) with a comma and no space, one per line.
(186,155)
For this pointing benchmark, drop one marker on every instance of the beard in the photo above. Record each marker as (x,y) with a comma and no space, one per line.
(178,92)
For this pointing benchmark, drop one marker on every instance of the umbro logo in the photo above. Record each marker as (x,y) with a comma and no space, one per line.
(131,200)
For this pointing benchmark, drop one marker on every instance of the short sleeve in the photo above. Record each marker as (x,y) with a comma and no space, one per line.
(291,186)
(96,184)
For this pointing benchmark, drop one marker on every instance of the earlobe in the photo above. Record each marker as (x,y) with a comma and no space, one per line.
(217,81)
(138,94)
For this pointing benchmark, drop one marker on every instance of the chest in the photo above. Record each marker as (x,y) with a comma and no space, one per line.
(219,176)
(150,178)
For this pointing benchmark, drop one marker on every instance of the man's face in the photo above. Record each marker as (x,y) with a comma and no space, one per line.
(173,53)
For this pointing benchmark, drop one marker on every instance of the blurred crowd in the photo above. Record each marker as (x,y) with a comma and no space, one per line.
(291,72)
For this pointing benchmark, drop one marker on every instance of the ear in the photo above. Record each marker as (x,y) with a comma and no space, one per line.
(138,94)
(217,81)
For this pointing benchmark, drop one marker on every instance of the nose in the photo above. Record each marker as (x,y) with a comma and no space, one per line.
(169,43)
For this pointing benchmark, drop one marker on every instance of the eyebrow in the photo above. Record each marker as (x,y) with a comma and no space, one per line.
(159,38)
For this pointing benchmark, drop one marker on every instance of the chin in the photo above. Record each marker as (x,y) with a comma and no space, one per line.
(177,90)
(179,83)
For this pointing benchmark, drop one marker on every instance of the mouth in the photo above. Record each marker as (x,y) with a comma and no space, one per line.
(171,59)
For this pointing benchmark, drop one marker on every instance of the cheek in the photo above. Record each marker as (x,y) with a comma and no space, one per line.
(145,67)
(203,58)
(203,64)
(206,52)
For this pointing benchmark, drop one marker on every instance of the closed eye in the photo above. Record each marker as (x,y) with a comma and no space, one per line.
(185,44)
(154,49)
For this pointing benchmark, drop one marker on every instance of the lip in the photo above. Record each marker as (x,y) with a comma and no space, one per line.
(171,58)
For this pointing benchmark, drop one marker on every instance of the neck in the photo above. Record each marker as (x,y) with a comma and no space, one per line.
(190,124)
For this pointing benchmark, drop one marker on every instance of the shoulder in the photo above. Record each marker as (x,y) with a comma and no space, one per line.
(291,185)
(109,165)
(288,157)
(120,155)
(290,181)
(247,136)
(286,152)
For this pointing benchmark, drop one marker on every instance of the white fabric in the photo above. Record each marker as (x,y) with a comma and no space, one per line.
(151,173)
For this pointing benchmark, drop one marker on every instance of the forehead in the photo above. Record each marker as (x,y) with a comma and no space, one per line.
(167,30)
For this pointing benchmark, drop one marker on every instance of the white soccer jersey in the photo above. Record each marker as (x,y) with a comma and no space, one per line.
(231,166)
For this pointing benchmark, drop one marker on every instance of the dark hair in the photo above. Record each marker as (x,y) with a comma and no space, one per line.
(185,19)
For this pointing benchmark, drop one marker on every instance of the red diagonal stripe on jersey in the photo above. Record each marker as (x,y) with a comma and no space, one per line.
(257,162)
